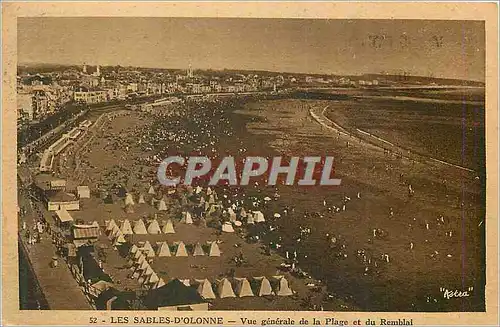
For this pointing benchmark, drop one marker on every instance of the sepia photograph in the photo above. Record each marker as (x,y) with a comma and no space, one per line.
(250,164)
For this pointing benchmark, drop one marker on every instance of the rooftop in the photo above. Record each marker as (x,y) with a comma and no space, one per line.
(172,294)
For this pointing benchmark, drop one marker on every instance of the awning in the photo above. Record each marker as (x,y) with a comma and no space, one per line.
(63,215)
(82,231)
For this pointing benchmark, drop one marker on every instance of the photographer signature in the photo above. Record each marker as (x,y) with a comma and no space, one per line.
(448,294)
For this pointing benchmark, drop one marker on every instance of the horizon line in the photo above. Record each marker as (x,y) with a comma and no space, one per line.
(250,70)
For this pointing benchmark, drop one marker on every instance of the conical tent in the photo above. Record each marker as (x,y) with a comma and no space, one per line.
(242,287)
(148,249)
(186,218)
(205,289)
(262,286)
(139,227)
(162,206)
(209,191)
(138,255)
(181,250)
(119,240)
(259,217)
(126,229)
(227,227)
(129,200)
(137,272)
(133,249)
(153,279)
(144,274)
(250,219)
(202,200)
(281,287)
(224,289)
(154,227)
(198,250)
(110,225)
(141,199)
(198,189)
(161,283)
(144,281)
(243,213)
(211,199)
(139,261)
(186,282)
(144,264)
(149,271)
(214,250)
(164,250)
(151,190)
(114,232)
(168,228)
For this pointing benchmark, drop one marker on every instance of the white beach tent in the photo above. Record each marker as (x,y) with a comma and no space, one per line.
(242,287)
(133,249)
(198,250)
(205,289)
(258,217)
(168,228)
(281,287)
(154,227)
(148,249)
(261,286)
(119,240)
(129,200)
(139,227)
(180,250)
(214,250)
(187,218)
(224,288)
(126,228)
(153,279)
(162,206)
(160,283)
(114,233)
(163,250)
(110,225)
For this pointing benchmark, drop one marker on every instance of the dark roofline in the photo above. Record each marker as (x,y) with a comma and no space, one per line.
(175,293)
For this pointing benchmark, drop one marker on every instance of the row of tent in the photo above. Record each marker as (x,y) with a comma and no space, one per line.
(141,269)
(160,204)
(252,218)
(178,250)
(139,227)
(242,287)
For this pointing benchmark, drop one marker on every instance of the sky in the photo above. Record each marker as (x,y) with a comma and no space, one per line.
(449,49)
